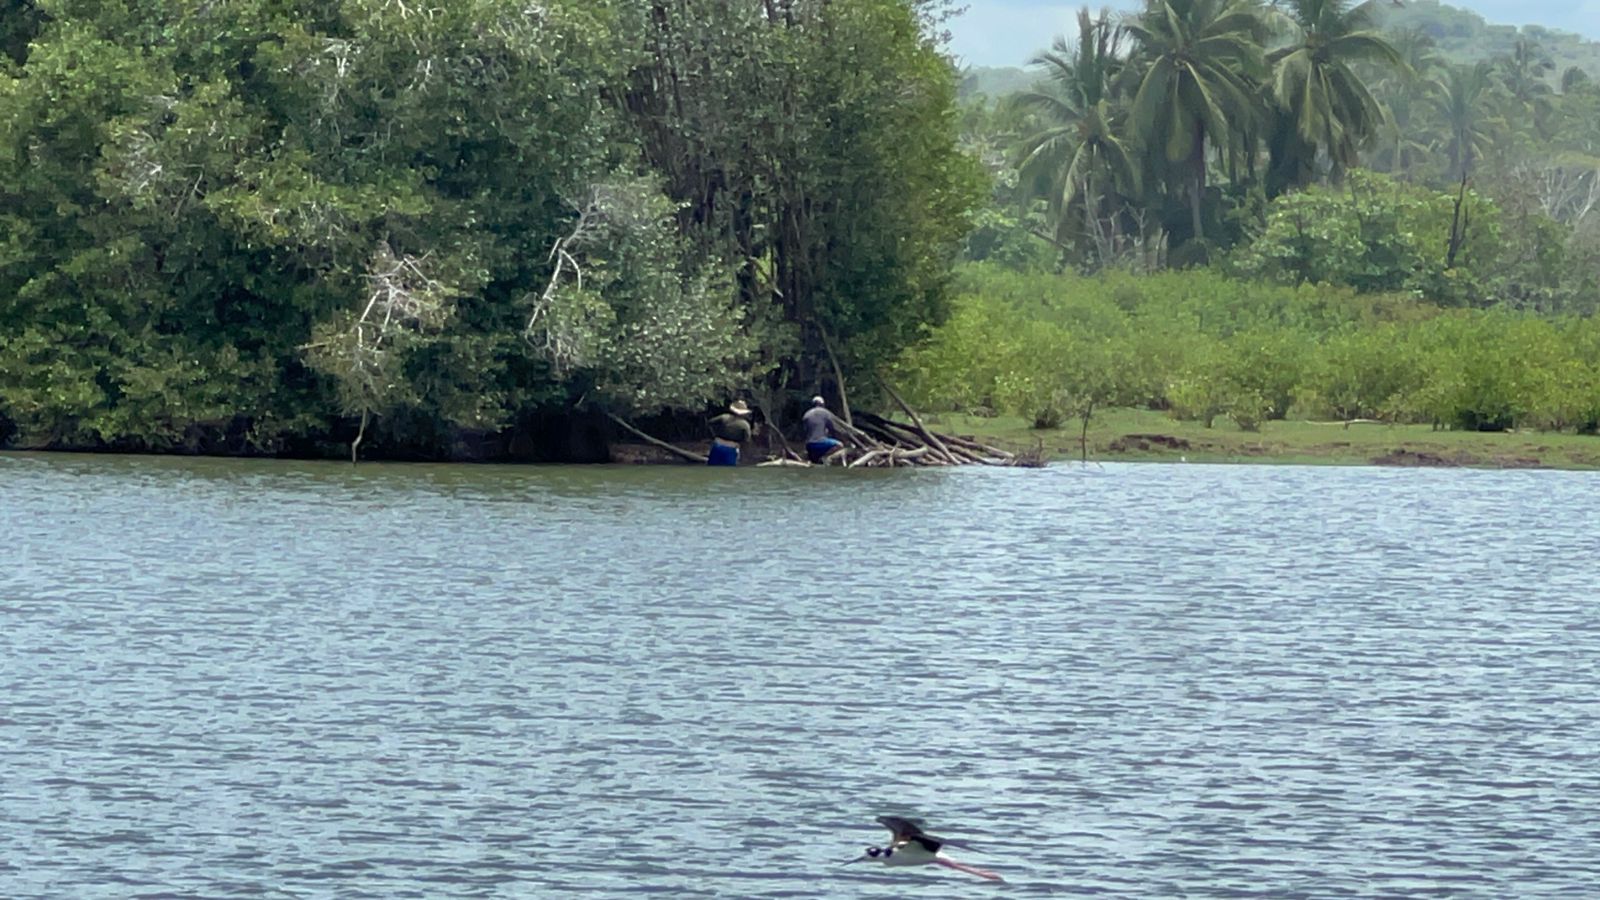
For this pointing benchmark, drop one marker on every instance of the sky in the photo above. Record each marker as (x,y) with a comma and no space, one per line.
(1009,32)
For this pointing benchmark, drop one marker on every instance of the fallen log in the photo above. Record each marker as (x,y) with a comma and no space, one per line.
(1346,423)
(781,461)
(855,435)
(976,457)
(867,458)
(689,455)
(917,421)
(957,440)
(885,442)
(908,432)
(888,436)
(951,440)
(890,429)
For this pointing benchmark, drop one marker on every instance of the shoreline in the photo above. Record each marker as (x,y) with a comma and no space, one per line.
(1128,435)
(630,455)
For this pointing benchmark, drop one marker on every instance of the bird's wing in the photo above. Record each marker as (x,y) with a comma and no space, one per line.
(901,828)
(907,830)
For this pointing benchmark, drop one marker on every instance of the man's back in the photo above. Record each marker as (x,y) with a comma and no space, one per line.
(730,427)
(817,421)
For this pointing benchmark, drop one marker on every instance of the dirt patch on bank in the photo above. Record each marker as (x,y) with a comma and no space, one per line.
(1416,458)
(1145,443)
(644,454)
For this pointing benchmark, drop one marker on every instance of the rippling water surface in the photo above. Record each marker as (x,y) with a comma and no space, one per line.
(279,679)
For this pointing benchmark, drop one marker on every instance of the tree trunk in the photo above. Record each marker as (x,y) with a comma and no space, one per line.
(1090,226)
(1198,189)
(355,445)
(1460,220)
(838,374)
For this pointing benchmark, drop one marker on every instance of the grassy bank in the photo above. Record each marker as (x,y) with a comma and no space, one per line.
(1142,435)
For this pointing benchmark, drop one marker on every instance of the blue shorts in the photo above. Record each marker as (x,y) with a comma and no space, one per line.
(818,449)
(722,455)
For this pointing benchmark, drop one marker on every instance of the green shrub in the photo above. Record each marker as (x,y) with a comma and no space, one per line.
(1376,234)
(1202,345)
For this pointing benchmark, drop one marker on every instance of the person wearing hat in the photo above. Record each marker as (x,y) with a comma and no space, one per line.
(728,432)
(819,423)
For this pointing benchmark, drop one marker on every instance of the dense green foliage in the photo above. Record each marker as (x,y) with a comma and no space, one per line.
(1390,235)
(247,225)
(1170,136)
(1375,234)
(268,225)
(1204,345)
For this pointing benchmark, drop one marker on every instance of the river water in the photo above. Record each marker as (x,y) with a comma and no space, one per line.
(255,678)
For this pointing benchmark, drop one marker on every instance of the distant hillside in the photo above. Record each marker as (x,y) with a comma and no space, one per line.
(995,82)
(1464,36)
(1461,36)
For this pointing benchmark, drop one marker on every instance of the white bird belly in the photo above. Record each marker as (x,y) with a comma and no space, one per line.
(910,855)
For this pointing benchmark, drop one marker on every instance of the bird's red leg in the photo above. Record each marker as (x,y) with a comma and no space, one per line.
(970,870)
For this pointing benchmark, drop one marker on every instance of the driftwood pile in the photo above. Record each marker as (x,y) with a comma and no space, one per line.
(874,441)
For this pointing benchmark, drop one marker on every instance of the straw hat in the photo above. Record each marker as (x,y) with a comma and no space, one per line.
(738,408)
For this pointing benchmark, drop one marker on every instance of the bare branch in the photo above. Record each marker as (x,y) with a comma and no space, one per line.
(556,336)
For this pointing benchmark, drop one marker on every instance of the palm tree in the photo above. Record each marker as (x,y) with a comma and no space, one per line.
(1465,102)
(1077,154)
(1323,102)
(1525,73)
(1404,92)
(1197,65)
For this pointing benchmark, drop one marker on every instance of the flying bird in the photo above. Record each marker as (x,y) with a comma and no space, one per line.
(909,845)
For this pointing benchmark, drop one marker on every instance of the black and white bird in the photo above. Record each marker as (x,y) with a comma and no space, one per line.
(909,845)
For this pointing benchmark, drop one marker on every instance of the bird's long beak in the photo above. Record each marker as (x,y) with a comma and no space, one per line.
(853,860)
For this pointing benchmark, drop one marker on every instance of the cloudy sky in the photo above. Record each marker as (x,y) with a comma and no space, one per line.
(1008,32)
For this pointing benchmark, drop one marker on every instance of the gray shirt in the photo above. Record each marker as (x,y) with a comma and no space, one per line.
(817,421)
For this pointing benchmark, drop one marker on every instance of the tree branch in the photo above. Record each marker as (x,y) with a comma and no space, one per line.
(916,420)
(689,455)
(838,374)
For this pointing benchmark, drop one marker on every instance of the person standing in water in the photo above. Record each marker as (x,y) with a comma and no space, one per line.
(820,425)
(729,431)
